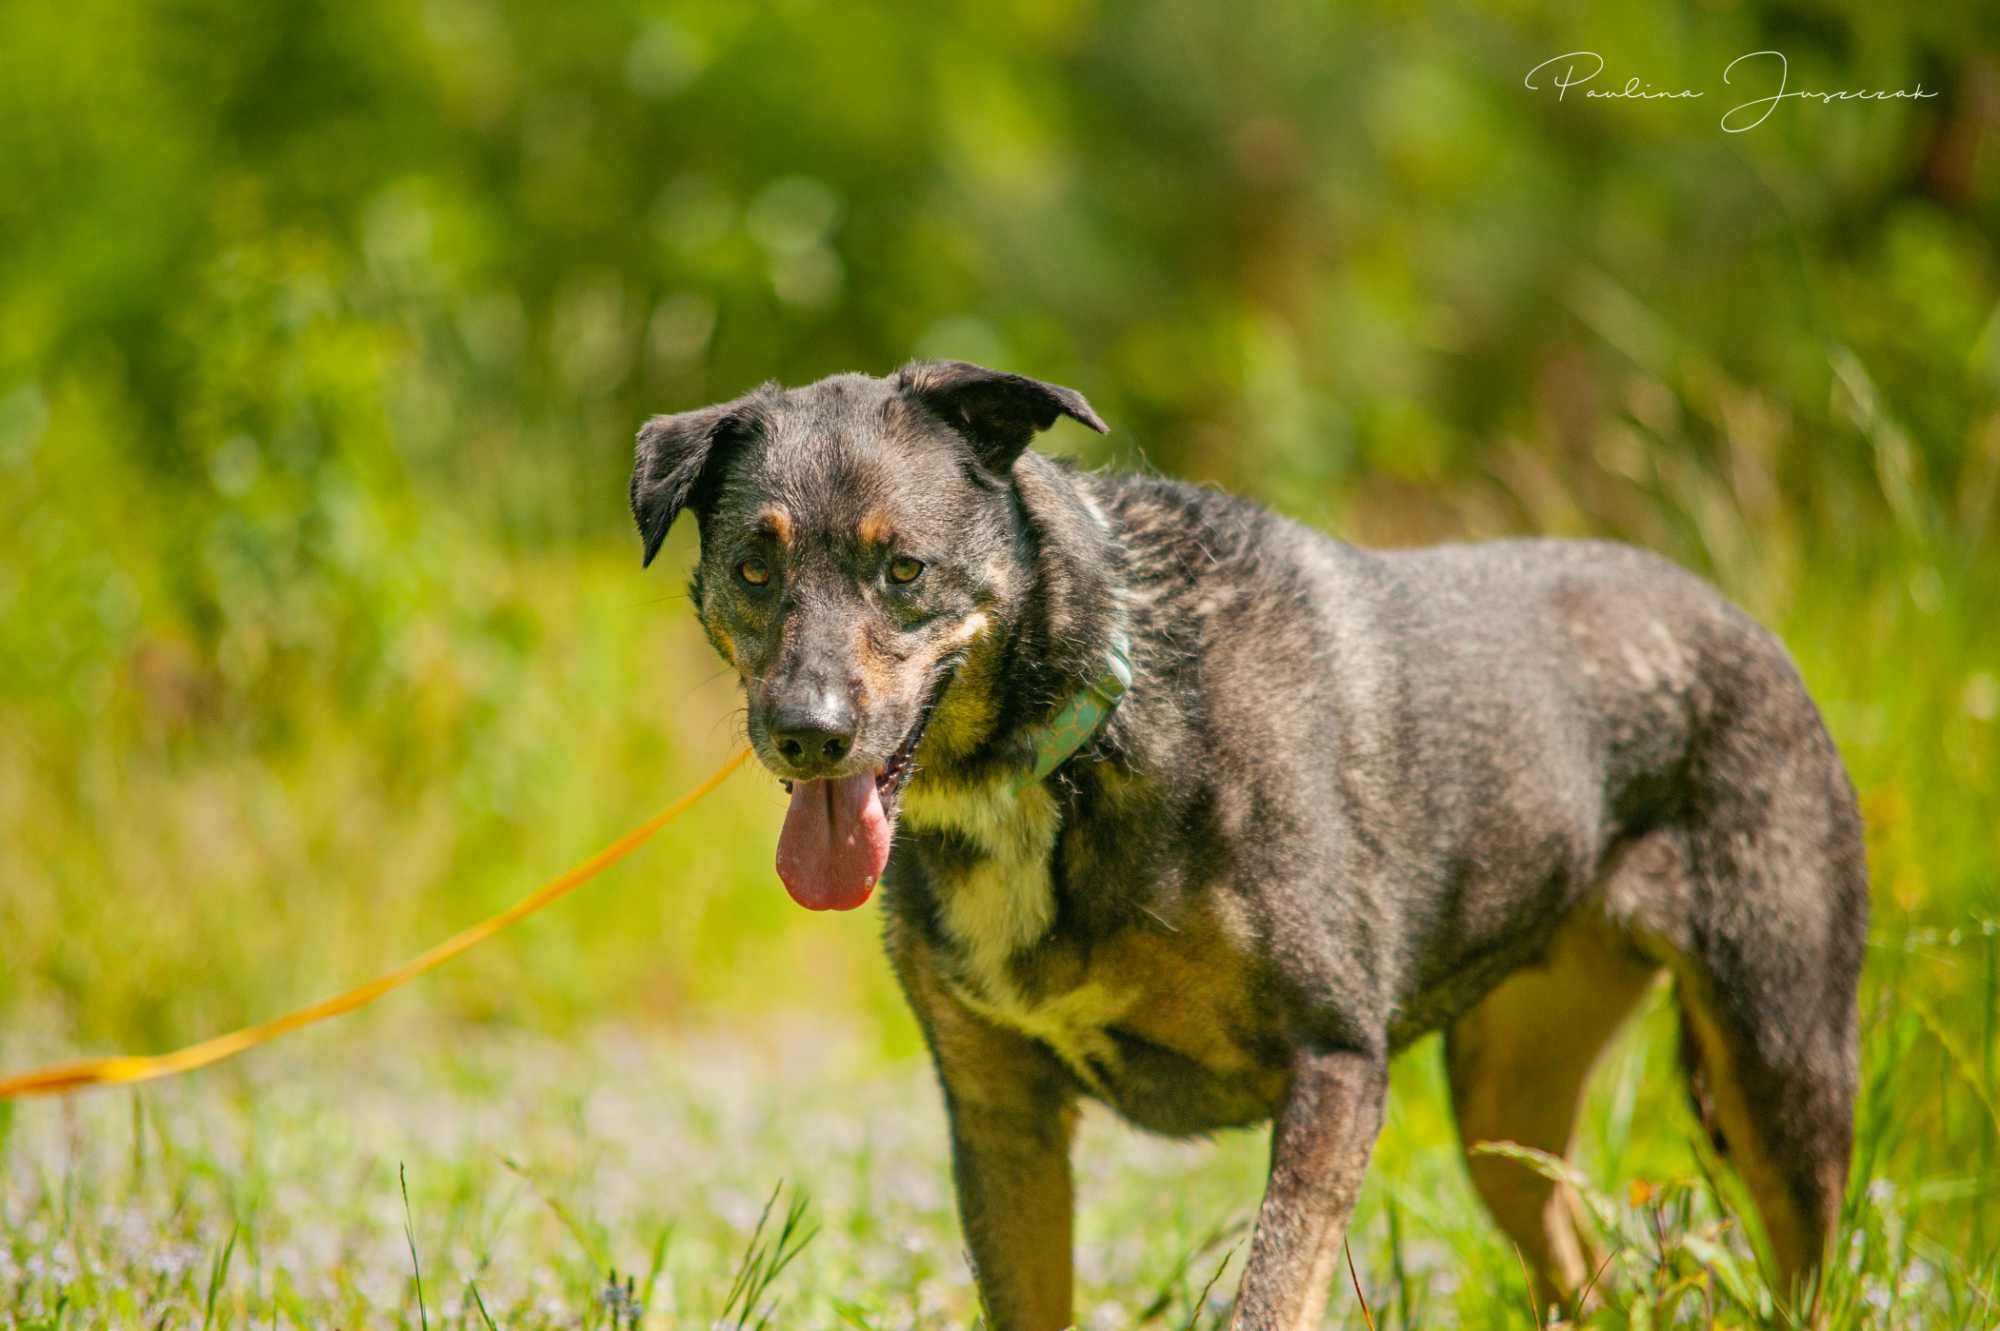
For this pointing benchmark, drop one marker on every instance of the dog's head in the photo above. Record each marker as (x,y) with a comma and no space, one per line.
(858,536)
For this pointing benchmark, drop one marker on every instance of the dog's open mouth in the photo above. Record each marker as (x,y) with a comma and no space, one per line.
(837,833)
(895,773)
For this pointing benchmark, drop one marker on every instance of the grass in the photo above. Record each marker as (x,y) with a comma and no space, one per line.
(378,1177)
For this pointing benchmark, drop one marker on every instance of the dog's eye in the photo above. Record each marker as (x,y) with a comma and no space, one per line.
(905,569)
(754,571)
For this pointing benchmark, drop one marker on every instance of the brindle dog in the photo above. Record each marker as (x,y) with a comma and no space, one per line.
(1351,797)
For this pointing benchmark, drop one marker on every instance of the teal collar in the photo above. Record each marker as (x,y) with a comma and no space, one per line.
(1084,714)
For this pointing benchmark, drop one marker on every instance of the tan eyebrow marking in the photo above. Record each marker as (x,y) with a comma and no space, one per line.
(874,528)
(777,522)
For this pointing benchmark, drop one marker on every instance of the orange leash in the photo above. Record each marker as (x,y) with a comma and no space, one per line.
(130,1068)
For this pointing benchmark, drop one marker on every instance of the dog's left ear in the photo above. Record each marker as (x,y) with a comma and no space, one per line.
(672,456)
(998,413)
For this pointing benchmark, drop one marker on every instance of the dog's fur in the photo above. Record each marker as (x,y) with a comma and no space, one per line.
(1352,797)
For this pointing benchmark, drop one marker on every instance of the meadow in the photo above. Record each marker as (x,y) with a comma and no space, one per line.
(323,632)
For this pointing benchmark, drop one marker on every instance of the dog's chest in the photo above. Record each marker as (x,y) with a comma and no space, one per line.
(994,903)
(1162,997)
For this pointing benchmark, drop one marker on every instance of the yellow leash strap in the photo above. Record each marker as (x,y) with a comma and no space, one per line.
(130,1068)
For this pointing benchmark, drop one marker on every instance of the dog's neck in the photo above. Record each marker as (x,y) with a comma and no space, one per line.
(1055,635)
(1052,640)
(1074,605)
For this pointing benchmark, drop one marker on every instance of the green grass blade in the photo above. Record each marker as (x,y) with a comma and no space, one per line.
(410,1233)
(218,1275)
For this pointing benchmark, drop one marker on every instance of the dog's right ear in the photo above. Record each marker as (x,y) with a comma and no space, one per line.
(672,456)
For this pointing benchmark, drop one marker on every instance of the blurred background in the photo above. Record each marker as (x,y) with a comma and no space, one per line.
(324,333)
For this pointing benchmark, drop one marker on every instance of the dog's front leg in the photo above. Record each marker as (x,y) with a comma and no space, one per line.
(1012,1110)
(1319,1150)
(1010,1160)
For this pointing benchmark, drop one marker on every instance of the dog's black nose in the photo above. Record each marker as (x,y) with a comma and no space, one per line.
(813,733)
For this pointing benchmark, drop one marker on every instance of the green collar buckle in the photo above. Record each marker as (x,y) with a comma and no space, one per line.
(1084,714)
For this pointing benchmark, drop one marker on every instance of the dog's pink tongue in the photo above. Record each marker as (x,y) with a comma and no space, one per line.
(835,843)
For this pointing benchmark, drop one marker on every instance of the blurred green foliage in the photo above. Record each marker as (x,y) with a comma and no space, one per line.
(324,331)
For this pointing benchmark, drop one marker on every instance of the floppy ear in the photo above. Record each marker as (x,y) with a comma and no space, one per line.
(673,454)
(998,413)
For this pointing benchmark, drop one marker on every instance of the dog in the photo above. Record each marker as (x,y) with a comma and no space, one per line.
(1182,807)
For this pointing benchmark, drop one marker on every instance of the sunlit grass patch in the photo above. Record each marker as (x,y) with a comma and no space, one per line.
(622,1181)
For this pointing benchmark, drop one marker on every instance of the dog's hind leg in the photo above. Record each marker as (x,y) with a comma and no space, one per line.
(1766,974)
(1762,921)
(1518,1061)
(1782,1117)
